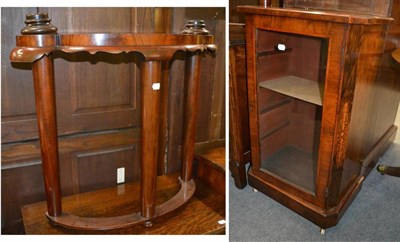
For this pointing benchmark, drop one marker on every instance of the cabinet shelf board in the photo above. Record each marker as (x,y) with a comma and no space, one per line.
(296,87)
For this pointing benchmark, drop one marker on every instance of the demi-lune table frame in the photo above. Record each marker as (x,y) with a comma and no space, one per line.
(38,44)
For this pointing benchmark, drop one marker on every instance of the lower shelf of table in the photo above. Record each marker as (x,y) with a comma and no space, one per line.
(125,199)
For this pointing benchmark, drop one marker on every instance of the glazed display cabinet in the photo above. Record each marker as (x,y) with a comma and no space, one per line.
(312,97)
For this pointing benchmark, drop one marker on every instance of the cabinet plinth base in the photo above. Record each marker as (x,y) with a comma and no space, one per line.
(371,159)
(323,218)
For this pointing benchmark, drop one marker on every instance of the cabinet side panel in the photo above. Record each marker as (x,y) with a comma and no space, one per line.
(363,133)
(388,86)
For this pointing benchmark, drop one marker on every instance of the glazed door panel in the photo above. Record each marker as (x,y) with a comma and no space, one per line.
(280,120)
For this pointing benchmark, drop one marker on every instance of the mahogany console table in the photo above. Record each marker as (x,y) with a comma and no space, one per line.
(37,44)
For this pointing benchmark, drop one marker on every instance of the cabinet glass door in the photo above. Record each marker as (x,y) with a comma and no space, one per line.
(291,75)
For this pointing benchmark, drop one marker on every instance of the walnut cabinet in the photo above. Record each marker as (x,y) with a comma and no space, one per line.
(313,99)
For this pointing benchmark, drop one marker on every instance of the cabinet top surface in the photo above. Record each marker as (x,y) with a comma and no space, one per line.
(331,16)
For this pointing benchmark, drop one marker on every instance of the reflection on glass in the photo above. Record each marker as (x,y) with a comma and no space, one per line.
(291,75)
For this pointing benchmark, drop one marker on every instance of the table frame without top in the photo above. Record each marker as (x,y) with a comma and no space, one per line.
(38,48)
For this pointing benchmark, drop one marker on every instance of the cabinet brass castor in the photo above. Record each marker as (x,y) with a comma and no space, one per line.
(381,169)
(255,190)
(322,231)
(148,224)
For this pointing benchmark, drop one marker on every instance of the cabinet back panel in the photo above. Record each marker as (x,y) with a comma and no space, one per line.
(268,98)
(302,125)
(273,66)
(302,58)
(274,119)
(289,141)
(306,57)
(273,143)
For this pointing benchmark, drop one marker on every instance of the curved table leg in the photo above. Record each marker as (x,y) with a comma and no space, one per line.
(43,78)
(192,81)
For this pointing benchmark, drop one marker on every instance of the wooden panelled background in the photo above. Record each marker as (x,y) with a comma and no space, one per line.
(98,104)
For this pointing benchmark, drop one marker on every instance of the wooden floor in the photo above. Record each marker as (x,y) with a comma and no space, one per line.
(199,216)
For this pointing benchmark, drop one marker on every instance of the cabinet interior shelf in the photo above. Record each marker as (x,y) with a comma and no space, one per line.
(296,87)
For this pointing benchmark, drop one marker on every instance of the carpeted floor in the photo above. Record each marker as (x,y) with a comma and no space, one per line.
(374,215)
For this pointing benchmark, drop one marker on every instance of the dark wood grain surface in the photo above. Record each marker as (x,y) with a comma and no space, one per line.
(339,17)
(373,7)
(348,78)
(192,83)
(239,145)
(148,45)
(150,75)
(209,207)
(396,55)
(87,163)
(43,78)
(211,167)
(95,129)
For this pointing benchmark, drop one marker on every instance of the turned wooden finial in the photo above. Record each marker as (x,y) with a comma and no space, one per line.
(195,27)
(38,23)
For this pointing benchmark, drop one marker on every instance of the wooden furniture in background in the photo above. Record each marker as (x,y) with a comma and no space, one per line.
(99,131)
(384,169)
(239,150)
(39,43)
(388,170)
(239,145)
(211,167)
(312,153)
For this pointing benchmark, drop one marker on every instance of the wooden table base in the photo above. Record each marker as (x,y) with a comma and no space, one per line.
(124,199)
(67,220)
